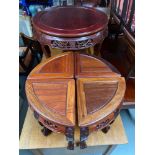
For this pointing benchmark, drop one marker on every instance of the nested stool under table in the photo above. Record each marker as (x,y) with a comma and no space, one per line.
(73,89)
(70,28)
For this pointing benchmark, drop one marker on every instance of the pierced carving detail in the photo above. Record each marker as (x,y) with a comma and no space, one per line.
(84,44)
(60,44)
(72,44)
(103,124)
(50,124)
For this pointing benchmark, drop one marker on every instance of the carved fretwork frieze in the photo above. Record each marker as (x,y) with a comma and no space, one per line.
(103,124)
(60,44)
(84,44)
(51,124)
(72,44)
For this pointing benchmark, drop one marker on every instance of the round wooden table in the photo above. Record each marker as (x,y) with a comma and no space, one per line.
(70,28)
(55,86)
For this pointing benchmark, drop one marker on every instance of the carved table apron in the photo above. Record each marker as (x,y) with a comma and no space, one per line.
(54,87)
(70,28)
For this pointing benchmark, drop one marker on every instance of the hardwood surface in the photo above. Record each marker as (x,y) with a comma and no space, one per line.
(29,55)
(98,98)
(32,138)
(70,21)
(58,66)
(50,90)
(70,28)
(121,54)
(53,100)
(89,66)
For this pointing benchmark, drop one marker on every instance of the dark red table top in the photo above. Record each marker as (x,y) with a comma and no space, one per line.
(70,21)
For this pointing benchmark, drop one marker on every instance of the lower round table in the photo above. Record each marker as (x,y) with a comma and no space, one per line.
(73,86)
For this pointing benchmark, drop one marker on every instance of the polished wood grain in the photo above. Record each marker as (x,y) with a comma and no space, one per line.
(70,21)
(95,111)
(53,100)
(98,94)
(70,28)
(50,89)
(89,66)
(59,66)
(93,107)
(52,95)
(121,53)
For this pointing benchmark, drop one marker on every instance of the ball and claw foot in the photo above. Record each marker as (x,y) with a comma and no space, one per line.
(83,145)
(70,145)
(106,129)
(84,133)
(46,131)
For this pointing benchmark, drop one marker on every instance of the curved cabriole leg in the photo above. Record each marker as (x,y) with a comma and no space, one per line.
(46,131)
(46,50)
(106,129)
(84,133)
(70,137)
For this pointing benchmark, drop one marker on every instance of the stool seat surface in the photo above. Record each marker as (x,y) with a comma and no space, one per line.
(53,99)
(98,98)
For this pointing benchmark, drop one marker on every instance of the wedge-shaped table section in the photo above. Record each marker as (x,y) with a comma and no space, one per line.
(59,66)
(99,101)
(53,104)
(53,100)
(89,66)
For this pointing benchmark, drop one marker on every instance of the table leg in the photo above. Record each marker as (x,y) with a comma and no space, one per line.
(106,129)
(84,133)
(99,47)
(70,137)
(46,50)
(109,149)
(91,50)
(46,131)
(36,152)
